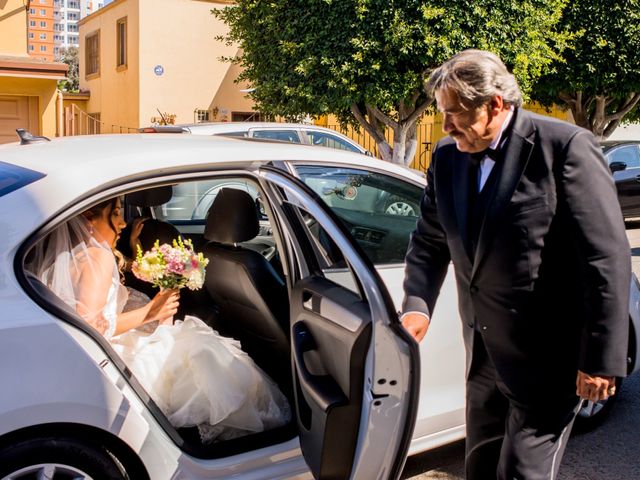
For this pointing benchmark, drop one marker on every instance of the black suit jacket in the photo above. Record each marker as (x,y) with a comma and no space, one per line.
(548,284)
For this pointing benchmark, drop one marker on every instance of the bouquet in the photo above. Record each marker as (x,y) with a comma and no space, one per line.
(171,266)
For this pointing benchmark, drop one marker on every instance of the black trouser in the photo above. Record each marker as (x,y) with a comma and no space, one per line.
(504,441)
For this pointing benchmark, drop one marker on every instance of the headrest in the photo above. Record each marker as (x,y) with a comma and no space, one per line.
(157,230)
(151,197)
(232,218)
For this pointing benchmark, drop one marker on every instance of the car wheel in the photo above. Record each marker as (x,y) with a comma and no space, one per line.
(401,208)
(57,458)
(591,414)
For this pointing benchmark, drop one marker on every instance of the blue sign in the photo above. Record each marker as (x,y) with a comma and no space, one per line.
(158,70)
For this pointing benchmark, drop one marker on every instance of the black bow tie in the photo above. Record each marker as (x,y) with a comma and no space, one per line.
(492,153)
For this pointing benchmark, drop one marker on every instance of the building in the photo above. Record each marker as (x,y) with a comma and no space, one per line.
(28,85)
(153,61)
(53,24)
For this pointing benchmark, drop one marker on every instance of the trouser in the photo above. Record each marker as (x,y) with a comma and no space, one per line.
(505,441)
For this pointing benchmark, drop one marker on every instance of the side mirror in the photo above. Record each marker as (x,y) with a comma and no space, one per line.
(368,153)
(617,166)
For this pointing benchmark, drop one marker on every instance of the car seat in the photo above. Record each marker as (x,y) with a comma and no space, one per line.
(251,296)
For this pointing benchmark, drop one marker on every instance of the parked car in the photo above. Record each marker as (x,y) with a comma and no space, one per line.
(282,132)
(365,394)
(623,158)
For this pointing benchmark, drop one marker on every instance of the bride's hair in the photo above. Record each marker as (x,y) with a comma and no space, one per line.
(97,211)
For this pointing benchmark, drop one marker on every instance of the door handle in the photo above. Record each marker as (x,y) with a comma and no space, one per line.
(321,390)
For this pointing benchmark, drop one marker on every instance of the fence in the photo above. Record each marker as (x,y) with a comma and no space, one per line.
(78,122)
(424,135)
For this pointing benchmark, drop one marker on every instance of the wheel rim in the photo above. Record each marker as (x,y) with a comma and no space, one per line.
(400,208)
(48,471)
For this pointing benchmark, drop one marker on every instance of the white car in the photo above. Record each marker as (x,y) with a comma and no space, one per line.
(274,131)
(334,224)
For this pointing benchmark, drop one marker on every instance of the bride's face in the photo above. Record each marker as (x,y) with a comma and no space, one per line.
(108,225)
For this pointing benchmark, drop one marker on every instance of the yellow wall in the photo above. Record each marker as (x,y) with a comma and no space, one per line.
(180,36)
(115,91)
(45,90)
(13,27)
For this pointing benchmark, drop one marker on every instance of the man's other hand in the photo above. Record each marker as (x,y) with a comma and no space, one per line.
(416,324)
(595,388)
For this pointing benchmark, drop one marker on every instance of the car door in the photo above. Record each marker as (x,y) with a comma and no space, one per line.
(355,369)
(627,180)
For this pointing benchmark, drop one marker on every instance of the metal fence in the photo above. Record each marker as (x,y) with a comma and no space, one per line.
(424,135)
(79,122)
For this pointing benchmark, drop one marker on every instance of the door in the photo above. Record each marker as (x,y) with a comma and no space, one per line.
(17,112)
(355,404)
(627,180)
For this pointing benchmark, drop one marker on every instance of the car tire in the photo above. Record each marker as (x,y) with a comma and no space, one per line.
(59,458)
(591,416)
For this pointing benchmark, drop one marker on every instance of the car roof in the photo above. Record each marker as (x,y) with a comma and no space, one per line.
(73,166)
(609,144)
(223,127)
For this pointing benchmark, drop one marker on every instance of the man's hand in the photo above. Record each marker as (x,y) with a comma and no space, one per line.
(595,388)
(416,324)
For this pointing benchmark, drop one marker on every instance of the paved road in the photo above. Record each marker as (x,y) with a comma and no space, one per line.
(610,452)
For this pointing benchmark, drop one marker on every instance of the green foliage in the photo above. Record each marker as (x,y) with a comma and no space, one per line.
(69,56)
(604,58)
(324,56)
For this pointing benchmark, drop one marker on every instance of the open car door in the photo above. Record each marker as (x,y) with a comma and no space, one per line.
(355,369)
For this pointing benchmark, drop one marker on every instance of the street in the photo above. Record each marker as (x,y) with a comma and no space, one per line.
(610,452)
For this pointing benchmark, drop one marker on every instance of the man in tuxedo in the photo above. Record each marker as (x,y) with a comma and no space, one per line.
(526,209)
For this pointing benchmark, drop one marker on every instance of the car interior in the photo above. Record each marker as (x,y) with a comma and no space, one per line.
(244,294)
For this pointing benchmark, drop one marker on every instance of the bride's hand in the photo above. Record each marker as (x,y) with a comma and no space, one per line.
(164,305)
(136,230)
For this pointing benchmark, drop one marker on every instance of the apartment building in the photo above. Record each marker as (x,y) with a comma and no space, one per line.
(53,25)
(28,85)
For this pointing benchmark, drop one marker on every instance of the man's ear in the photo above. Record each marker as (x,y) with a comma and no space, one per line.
(496,105)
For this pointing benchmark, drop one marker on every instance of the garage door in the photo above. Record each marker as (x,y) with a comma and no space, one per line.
(17,112)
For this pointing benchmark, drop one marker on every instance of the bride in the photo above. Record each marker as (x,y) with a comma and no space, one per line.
(197,377)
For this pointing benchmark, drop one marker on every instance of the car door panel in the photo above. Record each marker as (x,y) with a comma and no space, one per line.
(355,404)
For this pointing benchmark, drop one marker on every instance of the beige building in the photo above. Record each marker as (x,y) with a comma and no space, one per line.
(28,86)
(147,61)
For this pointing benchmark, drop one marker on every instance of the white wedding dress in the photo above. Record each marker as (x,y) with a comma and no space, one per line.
(197,377)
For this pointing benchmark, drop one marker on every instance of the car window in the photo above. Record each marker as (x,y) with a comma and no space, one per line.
(13,177)
(323,139)
(290,136)
(235,134)
(191,201)
(379,210)
(629,155)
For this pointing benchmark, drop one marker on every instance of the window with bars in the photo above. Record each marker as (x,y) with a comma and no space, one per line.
(121,35)
(92,53)
(202,116)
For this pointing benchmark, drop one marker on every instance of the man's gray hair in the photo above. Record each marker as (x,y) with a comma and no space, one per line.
(476,76)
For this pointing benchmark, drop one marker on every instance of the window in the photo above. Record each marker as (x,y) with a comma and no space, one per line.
(31,48)
(43,24)
(43,36)
(56,51)
(30,34)
(13,177)
(379,210)
(629,155)
(72,28)
(324,139)
(43,48)
(121,34)
(32,23)
(202,116)
(72,16)
(290,136)
(43,12)
(92,53)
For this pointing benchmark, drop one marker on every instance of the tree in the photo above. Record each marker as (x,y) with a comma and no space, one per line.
(598,78)
(69,55)
(366,61)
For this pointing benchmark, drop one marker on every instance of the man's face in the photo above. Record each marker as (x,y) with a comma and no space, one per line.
(472,129)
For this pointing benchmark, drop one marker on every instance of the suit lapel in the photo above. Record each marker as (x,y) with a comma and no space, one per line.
(517,154)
